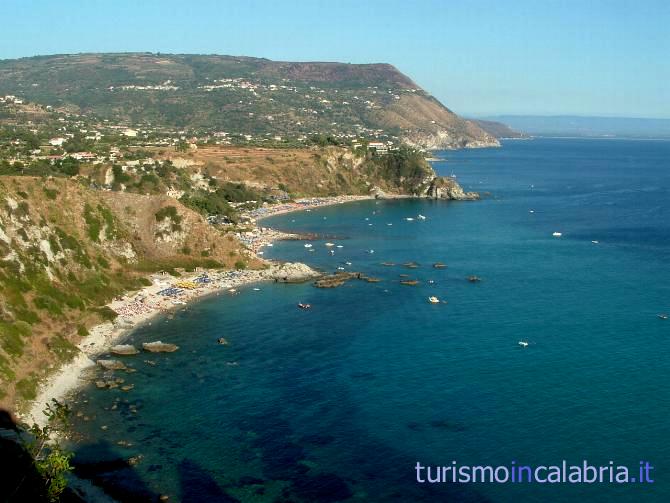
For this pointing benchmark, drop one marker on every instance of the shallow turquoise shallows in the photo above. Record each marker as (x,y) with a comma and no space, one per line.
(339,402)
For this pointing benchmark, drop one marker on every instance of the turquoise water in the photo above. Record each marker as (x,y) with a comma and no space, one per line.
(341,401)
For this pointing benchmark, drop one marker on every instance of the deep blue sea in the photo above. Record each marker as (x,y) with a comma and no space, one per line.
(339,402)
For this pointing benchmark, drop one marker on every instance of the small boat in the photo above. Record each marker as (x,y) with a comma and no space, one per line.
(433,300)
(474,279)
(232,290)
(347,263)
(421,217)
(595,242)
(332,252)
(257,289)
(557,234)
(523,344)
(330,244)
(409,219)
(339,246)
(304,306)
(340,268)
(531,211)
(389,224)
(439,265)
(260,253)
(409,282)
(411,265)
(662,316)
(431,282)
(269,244)
(371,251)
(307,245)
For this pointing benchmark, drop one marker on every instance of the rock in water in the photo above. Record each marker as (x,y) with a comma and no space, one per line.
(124,349)
(159,347)
(292,273)
(111,364)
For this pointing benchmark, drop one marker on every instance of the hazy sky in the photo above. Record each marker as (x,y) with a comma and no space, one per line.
(587,57)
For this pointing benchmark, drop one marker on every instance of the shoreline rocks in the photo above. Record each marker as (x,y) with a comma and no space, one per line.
(159,347)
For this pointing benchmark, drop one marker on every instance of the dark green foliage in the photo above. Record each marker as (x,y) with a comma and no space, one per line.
(50,193)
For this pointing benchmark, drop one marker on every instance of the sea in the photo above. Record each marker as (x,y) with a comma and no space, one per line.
(340,402)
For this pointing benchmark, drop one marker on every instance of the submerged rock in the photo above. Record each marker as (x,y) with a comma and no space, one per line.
(159,347)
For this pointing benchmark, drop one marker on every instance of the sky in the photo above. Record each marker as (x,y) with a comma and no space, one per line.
(479,57)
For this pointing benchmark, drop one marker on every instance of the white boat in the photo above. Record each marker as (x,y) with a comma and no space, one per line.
(371,251)
(421,217)
(557,234)
(531,211)
(260,253)
(409,219)
(257,289)
(348,263)
(330,244)
(332,252)
(523,344)
(389,225)
(269,244)
(340,268)
(595,242)
(433,300)
(339,246)
(307,245)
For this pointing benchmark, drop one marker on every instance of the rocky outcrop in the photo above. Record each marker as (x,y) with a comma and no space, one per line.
(443,139)
(291,272)
(124,349)
(111,364)
(159,347)
(447,188)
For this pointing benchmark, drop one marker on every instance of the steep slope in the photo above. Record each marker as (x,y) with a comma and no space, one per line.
(242,96)
(66,250)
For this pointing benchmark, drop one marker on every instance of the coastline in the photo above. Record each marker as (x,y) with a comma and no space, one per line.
(136,308)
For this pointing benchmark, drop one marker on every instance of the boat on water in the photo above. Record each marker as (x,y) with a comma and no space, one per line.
(307,245)
(332,252)
(340,268)
(409,282)
(557,234)
(340,246)
(257,289)
(421,217)
(439,265)
(523,344)
(662,316)
(409,219)
(347,263)
(433,300)
(595,241)
(330,244)
(474,279)
(304,306)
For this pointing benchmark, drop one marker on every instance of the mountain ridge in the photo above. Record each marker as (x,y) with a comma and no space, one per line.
(242,95)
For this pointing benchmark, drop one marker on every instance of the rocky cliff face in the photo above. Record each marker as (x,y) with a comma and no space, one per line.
(66,250)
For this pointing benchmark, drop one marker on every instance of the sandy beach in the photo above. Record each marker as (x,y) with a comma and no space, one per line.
(165,294)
